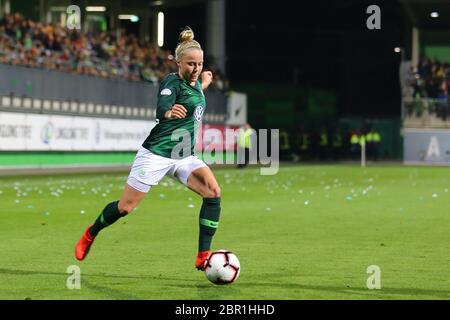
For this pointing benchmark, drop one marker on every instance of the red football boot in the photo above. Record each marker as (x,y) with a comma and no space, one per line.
(84,244)
(202,259)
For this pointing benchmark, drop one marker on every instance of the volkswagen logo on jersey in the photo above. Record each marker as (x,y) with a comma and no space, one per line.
(198,113)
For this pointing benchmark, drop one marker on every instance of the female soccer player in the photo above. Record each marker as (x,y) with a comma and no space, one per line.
(179,110)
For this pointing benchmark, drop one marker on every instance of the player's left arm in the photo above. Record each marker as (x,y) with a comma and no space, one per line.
(206,80)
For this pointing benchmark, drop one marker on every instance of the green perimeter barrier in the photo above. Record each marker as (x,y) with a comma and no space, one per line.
(13,159)
(32,159)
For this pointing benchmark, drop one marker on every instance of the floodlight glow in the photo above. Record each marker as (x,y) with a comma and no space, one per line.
(131,17)
(96,9)
(434,14)
(160,29)
(397,49)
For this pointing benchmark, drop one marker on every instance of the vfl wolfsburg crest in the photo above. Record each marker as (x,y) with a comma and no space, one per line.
(198,113)
(142,173)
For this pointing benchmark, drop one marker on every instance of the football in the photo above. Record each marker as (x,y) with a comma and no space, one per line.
(223,267)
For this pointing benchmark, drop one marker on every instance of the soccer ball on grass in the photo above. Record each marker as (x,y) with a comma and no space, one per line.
(223,267)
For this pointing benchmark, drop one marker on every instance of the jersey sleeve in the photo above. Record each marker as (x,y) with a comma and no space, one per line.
(167,96)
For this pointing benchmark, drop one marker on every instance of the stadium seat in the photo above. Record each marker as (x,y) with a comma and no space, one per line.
(65,106)
(37,104)
(74,106)
(47,104)
(56,105)
(90,108)
(17,102)
(27,103)
(6,102)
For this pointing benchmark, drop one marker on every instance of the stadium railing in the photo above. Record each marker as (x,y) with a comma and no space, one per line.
(426,113)
(74,108)
(51,92)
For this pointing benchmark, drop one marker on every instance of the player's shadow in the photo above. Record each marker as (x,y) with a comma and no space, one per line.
(29,272)
(103,275)
(113,294)
(87,282)
(210,291)
(107,291)
(383,293)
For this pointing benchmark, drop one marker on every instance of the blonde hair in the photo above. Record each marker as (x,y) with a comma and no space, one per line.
(187,42)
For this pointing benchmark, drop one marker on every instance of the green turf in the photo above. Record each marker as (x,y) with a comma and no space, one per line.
(309,232)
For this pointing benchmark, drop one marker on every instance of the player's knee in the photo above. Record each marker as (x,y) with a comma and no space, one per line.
(217,192)
(214,192)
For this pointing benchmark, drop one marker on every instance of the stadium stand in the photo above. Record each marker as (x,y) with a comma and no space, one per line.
(105,54)
(426,98)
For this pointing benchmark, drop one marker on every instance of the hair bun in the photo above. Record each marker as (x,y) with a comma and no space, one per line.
(186,35)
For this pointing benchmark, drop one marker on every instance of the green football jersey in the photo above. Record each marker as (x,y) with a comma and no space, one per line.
(175,138)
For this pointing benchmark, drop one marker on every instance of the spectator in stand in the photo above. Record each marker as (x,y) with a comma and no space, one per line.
(430,89)
(432,79)
(33,44)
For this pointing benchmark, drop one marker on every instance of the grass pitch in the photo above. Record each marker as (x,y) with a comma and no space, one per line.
(309,232)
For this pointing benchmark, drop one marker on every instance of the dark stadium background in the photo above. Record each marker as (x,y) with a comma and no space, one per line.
(320,43)
(312,44)
(304,64)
